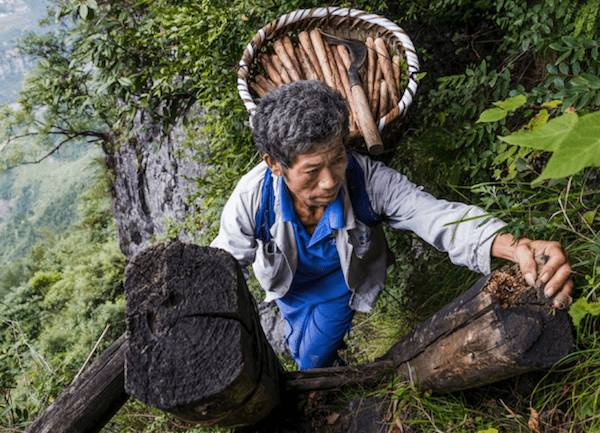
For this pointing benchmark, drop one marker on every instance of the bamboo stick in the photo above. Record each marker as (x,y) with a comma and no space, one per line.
(270,69)
(375,95)
(280,68)
(305,64)
(334,70)
(371,65)
(259,90)
(304,39)
(346,83)
(289,48)
(265,83)
(396,69)
(386,67)
(285,60)
(384,99)
(319,47)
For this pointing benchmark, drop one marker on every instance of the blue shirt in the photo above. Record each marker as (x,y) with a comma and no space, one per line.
(316,308)
(319,275)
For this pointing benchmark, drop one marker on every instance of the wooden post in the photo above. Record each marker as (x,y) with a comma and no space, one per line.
(196,348)
(91,400)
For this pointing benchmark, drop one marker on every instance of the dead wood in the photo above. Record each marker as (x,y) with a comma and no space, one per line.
(91,400)
(196,349)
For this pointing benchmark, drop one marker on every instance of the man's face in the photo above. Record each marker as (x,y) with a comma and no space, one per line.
(315,178)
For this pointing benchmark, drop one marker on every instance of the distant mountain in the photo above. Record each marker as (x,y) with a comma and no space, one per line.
(44,194)
(16,16)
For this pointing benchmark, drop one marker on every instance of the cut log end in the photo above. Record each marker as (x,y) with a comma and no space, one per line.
(196,348)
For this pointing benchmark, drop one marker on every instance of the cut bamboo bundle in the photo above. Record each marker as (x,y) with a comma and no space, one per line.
(280,68)
(294,47)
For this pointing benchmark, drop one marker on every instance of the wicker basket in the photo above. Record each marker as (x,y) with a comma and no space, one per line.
(262,65)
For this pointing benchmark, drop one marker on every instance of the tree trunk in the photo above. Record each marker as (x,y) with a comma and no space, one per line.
(497,329)
(196,347)
(152,175)
(91,400)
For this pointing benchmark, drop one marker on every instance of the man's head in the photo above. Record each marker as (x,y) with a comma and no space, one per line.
(298,118)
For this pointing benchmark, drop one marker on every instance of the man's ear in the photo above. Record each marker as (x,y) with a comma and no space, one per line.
(273,165)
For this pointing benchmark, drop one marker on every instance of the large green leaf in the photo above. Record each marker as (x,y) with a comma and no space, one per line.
(511,104)
(574,140)
(548,137)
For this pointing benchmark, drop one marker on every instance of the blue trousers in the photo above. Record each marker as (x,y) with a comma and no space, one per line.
(315,327)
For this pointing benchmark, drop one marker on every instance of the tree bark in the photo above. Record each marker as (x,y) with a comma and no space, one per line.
(196,347)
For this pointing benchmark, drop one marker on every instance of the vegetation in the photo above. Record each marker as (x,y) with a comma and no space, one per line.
(500,77)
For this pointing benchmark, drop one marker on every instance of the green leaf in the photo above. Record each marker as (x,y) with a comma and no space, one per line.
(511,104)
(552,69)
(546,138)
(559,83)
(592,80)
(580,149)
(589,216)
(124,81)
(563,68)
(571,41)
(539,120)
(558,47)
(582,308)
(83,11)
(441,117)
(563,56)
(552,104)
(574,140)
(492,115)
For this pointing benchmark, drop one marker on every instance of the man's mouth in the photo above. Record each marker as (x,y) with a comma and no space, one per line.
(329,197)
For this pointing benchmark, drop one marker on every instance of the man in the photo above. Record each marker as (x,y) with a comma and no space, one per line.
(307,219)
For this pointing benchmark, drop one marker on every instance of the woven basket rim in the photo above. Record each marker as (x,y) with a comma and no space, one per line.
(360,16)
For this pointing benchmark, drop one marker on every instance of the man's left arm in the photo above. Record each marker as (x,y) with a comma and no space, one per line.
(556,273)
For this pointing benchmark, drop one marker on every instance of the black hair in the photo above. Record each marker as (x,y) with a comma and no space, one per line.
(297,118)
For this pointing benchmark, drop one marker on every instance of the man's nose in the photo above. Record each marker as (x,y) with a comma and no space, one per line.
(327,179)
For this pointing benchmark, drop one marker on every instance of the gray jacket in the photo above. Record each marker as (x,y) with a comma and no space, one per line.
(364,256)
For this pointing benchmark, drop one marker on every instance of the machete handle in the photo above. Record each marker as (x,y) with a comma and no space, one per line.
(366,122)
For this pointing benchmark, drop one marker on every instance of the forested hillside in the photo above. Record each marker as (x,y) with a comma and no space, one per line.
(505,117)
(16,17)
